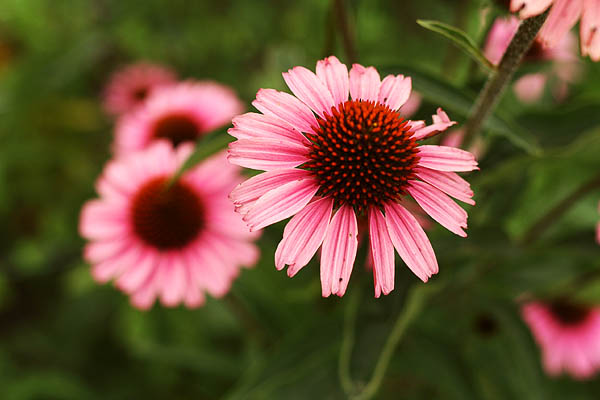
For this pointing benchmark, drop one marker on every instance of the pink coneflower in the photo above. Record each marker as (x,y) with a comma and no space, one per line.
(354,158)
(174,242)
(568,334)
(563,16)
(598,227)
(131,86)
(529,88)
(180,113)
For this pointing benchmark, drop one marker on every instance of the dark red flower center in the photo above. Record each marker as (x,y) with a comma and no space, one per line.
(176,128)
(167,217)
(140,93)
(362,154)
(569,313)
(536,52)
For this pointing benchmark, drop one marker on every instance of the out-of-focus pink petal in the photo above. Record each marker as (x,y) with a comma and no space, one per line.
(443,158)
(563,16)
(590,29)
(529,8)
(100,219)
(303,235)
(382,252)
(334,74)
(499,38)
(286,107)
(410,241)
(267,154)
(364,83)
(530,88)
(395,91)
(448,182)
(173,285)
(441,122)
(339,251)
(412,105)
(310,89)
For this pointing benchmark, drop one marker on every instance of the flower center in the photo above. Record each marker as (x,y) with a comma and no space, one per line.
(176,128)
(569,313)
(536,52)
(166,217)
(140,93)
(362,154)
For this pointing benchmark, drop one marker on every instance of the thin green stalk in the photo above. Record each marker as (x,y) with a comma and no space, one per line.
(348,342)
(499,79)
(341,16)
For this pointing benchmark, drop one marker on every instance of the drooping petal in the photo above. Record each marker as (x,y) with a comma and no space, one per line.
(286,107)
(563,16)
(334,74)
(410,241)
(281,203)
(590,29)
(382,251)
(310,89)
(267,154)
(364,83)
(303,235)
(255,125)
(443,158)
(441,122)
(448,182)
(439,207)
(395,91)
(529,8)
(339,251)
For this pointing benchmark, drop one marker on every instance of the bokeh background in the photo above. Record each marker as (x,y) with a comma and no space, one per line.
(62,336)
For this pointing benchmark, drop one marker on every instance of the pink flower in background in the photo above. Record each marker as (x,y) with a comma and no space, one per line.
(412,105)
(598,227)
(170,242)
(180,113)
(563,16)
(529,88)
(130,86)
(569,337)
(330,160)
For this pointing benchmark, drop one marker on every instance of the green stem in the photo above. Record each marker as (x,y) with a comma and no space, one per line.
(341,16)
(499,79)
(348,342)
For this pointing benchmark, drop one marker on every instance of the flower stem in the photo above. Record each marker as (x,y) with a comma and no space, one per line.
(555,213)
(499,79)
(348,342)
(341,16)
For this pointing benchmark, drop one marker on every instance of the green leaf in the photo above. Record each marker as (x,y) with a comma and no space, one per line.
(460,39)
(459,101)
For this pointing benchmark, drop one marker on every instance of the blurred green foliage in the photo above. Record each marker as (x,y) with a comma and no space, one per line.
(64,337)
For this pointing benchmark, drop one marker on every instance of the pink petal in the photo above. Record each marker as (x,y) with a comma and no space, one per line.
(102,220)
(530,88)
(441,122)
(439,206)
(113,267)
(563,16)
(334,74)
(281,203)
(303,235)
(590,29)
(248,192)
(135,275)
(286,107)
(173,285)
(364,83)
(339,252)
(412,105)
(410,241)
(267,154)
(448,182)
(382,252)
(529,8)
(443,158)
(395,91)
(254,125)
(310,89)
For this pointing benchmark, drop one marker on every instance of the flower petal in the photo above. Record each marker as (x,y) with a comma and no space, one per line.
(102,220)
(303,235)
(443,158)
(563,16)
(267,154)
(339,251)
(286,107)
(310,89)
(281,203)
(364,83)
(334,74)
(395,91)
(448,182)
(255,125)
(529,8)
(590,29)
(410,241)
(439,206)
(441,122)
(382,251)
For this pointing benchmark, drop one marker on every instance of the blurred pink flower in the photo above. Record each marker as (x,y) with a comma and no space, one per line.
(180,113)
(412,105)
(563,16)
(329,159)
(530,88)
(598,227)
(569,336)
(129,87)
(172,242)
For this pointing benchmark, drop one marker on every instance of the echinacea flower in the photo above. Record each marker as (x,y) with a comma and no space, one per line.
(529,88)
(173,241)
(562,17)
(329,159)
(179,113)
(129,87)
(568,334)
